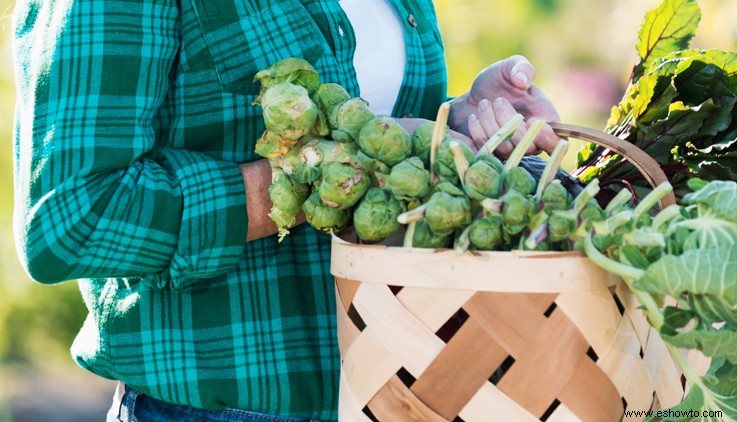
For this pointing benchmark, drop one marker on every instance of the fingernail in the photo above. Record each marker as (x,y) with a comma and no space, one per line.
(499,102)
(473,118)
(521,76)
(484,105)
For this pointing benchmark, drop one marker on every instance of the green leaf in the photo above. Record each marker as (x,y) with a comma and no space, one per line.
(676,318)
(635,257)
(697,81)
(652,96)
(681,125)
(712,399)
(725,60)
(667,28)
(710,342)
(709,272)
(718,199)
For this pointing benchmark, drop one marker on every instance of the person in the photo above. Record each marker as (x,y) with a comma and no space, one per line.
(135,173)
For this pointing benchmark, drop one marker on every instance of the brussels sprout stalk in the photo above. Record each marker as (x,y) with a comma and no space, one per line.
(409,234)
(623,197)
(502,135)
(523,145)
(651,199)
(665,216)
(441,120)
(492,206)
(413,215)
(463,242)
(551,168)
(587,194)
(460,161)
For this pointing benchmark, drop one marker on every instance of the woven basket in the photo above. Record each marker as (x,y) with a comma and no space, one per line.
(427,335)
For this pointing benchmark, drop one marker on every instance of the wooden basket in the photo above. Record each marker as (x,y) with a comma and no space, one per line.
(427,335)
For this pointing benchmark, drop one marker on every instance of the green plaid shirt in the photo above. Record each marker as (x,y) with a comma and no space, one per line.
(131,118)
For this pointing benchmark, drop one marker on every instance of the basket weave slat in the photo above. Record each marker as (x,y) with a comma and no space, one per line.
(492,312)
(489,400)
(594,313)
(562,414)
(349,408)
(431,306)
(532,381)
(347,330)
(395,402)
(450,371)
(376,366)
(588,382)
(402,334)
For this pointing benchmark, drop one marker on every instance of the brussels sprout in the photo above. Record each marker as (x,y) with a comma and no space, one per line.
(349,118)
(491,161)
(271,145)
(561,225)
(448,187)
(289,161)
(445,212)
(444,165)
(288,110)
(517,211)
(556,197)
(287,197)
(375,217)
(520,180)
(424,237)
(482,181)
(324,218)
(343,186)
(422,141)
(486,233)
(322,153)
(329,96)
(296,71)
(321,127)
(409,180)
(592,212)
(386,140)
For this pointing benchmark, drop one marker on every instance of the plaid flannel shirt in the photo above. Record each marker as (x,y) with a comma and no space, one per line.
(131,118)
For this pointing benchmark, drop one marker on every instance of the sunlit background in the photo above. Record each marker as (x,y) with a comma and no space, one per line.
(583,51)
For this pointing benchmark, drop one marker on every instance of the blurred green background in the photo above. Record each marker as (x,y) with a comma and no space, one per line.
(583,51)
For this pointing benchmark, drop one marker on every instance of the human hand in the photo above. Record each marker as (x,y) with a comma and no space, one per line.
(510,80)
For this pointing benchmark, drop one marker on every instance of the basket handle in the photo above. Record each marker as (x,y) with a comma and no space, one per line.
(639,158)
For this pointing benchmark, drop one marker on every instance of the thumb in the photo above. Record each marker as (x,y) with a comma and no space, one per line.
(519,71)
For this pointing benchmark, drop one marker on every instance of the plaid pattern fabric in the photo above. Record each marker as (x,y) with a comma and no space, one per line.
(131,117)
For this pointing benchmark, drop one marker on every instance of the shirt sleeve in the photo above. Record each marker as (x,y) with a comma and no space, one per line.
(97,193)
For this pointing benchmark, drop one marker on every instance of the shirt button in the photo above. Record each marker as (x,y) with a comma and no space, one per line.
(412,21)
(340,31)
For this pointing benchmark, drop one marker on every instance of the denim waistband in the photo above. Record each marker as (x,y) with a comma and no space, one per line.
(130,405)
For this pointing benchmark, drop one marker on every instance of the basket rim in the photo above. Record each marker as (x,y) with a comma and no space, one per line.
(513,272)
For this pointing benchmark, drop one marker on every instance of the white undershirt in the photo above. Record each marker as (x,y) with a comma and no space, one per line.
(380,58)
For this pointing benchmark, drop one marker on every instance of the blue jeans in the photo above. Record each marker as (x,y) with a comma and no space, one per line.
(132,406)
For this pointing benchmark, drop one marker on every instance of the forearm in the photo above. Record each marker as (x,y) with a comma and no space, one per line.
(256,179)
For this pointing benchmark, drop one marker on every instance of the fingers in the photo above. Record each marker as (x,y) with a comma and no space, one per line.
(546,140)
(519,71)
(492,116)
(488,118)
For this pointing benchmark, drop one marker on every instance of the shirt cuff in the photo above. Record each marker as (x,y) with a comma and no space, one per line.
(214,219)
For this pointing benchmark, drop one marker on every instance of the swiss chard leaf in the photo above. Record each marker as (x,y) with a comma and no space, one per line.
(697,81)
(667,28)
